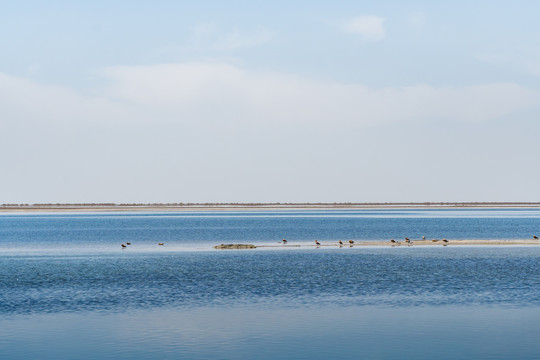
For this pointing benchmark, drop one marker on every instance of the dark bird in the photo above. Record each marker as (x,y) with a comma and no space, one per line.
(128,243)
(535,237)
(392,241)
(123,246)
(284,241)
(444,240)
(340,243)
(351,242)
(317,243)
(161,244)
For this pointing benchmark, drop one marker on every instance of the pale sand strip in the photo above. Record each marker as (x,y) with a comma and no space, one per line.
(413,243)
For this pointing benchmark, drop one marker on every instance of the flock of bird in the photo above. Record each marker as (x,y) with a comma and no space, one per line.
(408,241)
(351,242)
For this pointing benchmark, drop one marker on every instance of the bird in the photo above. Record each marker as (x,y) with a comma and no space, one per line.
(128,243)
(284,241)
(351,242)
(407,239)
(444,240)
(123,246)
(392,241)
(340,243)
(161,244)
(535,237)
(434,240)
(317,243)
(423,237)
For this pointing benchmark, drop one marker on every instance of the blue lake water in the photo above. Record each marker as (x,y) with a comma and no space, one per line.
(67,289)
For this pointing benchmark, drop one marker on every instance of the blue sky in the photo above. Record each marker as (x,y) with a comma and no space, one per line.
(170,101)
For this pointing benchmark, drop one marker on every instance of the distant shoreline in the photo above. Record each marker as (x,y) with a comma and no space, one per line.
(108,207)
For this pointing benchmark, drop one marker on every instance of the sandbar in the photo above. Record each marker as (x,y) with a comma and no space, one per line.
(431,242)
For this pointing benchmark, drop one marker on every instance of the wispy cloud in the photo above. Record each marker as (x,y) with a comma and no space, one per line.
(266,95)
(528,63)
(186,123)
(368,27)
(211,36)
(201,91)
(238,40)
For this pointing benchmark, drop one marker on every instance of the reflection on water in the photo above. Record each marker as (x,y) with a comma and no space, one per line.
(250,332)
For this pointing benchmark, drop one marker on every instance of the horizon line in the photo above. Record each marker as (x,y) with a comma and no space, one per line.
(184,204)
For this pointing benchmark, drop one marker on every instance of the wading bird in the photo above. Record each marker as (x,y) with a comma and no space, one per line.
(123,246)
(317,243)
(284,241)
(351,242)
(340,243)
(128,243)
(161,244)
(535,237)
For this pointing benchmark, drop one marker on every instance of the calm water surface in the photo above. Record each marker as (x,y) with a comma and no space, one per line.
(68,291)
(199,230)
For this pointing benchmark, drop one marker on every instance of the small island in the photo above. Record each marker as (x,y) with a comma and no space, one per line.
(235,246)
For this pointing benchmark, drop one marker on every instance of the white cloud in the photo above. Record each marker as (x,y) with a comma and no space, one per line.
(209,35)
(368,27)
(239,40)
(216,132)
(203,92)
(528,62)
(278,97)
(26,101)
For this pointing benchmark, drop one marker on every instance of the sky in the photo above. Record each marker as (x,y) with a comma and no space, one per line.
(284,101)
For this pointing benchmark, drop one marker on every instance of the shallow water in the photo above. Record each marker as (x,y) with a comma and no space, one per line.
(75,294)
(200,230)
(357,276)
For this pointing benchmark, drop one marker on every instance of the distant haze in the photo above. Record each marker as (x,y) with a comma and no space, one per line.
(282,102)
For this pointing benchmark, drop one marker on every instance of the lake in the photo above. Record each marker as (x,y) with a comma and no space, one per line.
(67,289)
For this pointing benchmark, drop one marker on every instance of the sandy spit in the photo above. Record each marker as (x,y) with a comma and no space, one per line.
(430,242)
